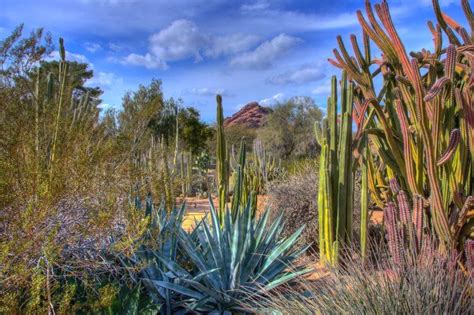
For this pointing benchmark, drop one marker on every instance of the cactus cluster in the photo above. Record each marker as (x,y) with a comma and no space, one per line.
(335,173)
(404,226)
(420,123)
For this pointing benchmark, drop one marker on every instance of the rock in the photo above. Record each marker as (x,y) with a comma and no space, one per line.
(251,115)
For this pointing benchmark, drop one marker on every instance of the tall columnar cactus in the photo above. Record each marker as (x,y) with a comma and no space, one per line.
(335,173)
(189,172)
(182,176)
(420,123)
(222,160)
(364,198)
(239,178)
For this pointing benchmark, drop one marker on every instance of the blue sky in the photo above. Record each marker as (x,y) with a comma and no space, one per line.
(263,51)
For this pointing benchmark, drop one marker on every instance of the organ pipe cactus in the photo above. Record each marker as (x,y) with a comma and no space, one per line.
(420,123)
(222,161)
(238,182)
(335,173)
(364,199)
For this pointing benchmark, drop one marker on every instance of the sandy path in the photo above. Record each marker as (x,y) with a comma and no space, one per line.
(196,209)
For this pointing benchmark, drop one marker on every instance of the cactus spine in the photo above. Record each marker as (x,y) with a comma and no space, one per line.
(335,187)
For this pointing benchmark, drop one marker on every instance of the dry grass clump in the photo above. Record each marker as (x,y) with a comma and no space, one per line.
(434,284)
(295,196)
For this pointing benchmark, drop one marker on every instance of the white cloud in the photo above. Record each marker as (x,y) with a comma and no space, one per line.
(181,40)
(115,47)
(206,92)
(257,6)
(71,57)
(266,53)
(303,74)
(148,60)
(105,79)
(92,47)
(279,97)
(322,90)
(231,44)
(104,106)
(297,21)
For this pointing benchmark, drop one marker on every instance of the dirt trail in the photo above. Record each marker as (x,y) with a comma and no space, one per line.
(196,209)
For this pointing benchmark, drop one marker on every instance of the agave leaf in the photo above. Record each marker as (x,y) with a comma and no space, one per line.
(278,251)
(172,266)
(286,278)
(211,292)
(216,254)
(180,289)
(215,222)
(235,245)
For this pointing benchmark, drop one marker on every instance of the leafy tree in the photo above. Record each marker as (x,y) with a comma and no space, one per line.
(193,132)
(78,75)
(140,110)
(289,128)
(18,56)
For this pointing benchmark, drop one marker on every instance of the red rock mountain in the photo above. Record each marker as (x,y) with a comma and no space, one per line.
(251,115)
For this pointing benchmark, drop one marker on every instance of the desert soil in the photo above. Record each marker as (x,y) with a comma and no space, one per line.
(196,209)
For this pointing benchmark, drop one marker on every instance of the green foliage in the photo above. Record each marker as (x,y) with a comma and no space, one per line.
(161,244)
(193,132)
(18,57)
(285,134)
(235,134)
(64,182)
(131,302)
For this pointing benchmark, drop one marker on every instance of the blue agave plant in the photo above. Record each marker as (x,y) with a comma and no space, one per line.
(231,262)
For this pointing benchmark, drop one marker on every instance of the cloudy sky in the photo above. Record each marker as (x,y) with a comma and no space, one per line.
(248,50)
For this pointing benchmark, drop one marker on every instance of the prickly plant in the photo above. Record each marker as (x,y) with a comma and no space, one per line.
(239,178)
(421,121)
(222,161)
(404,225)
(364,199)
(335,173)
